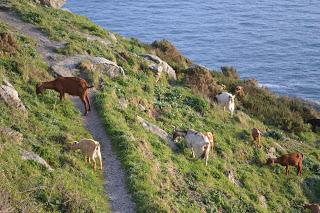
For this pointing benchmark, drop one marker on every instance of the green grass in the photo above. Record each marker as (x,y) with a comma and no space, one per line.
(158,175)
(47,130)
(160,180)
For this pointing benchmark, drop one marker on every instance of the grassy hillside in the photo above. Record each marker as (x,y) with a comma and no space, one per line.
(26,186)
(160,180)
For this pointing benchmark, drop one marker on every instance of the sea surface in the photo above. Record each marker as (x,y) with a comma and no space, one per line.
(275,41)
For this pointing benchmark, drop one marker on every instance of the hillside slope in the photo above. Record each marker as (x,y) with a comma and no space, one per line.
(46,128)
(159,179)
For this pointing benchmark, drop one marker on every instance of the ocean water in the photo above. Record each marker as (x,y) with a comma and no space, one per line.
(275,41)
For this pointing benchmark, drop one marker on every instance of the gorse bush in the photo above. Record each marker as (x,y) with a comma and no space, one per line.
(230,72)
(286,113)
(201,80)
(169,53)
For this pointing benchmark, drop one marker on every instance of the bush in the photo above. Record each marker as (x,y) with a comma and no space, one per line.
(274,134)
(169,53)
(197,103)
(230,72)
(8,43)
(201,80)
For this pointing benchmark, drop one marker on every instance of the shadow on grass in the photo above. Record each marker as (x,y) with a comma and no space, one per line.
(311,188)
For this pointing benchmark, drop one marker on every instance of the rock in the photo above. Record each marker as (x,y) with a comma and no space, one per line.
(279,148)
(156,64)
(263,201)
(68,67)
(141,107)
(271,153)
(51,3)
(123,103)
(66,9)
(232,178)
(158,131)
(11,134)
(34,157)
(113,37)
(11,97)
(96,38)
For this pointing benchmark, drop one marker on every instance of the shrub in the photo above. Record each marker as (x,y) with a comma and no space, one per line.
(201,80)
(197,103)
(169,53)
(230,72)
(8,43)
(274,134)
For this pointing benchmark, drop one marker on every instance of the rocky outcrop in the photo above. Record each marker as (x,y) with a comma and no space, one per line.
(11,97)
(51,3)
(11,134)
(34,157)
(68,67)
(158,131)
(160,66)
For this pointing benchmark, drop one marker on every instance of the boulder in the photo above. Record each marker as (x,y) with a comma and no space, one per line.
(113,37)
(123,103)
(11,134)
(34,157)
(11,97)
(271,153)
(141,107)
(263,201)
(158,131)
(279,148)
(231,177)
(158,65)
(51,3)
(96,38)
(68,67)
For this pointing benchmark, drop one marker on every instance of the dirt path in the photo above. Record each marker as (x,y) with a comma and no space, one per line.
(120,200)
(115,186)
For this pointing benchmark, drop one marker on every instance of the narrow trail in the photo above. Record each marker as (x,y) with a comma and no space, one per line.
(120,200)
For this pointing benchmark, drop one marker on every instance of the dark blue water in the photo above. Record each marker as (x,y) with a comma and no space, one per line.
(275,41)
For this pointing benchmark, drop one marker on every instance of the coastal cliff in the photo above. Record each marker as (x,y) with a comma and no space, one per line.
(141,92)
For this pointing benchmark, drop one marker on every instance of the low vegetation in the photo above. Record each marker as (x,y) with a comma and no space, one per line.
(160,180)
(26,186)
